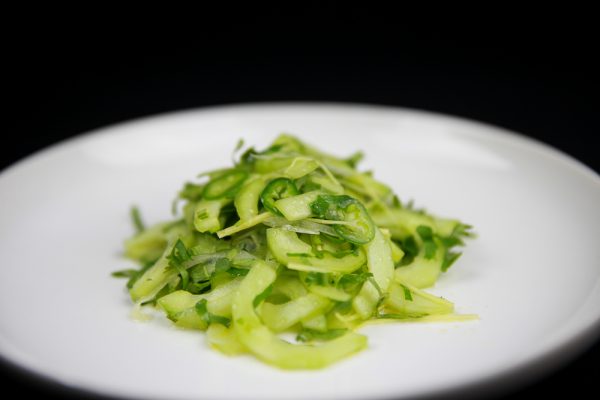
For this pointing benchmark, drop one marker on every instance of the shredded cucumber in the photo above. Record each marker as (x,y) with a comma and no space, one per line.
(292,240)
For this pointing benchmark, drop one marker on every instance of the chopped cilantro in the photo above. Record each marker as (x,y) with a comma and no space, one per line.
(136,219)
(202,311)
(179,255)
(407,293)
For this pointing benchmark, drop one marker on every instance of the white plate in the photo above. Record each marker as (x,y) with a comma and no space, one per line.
(532,275)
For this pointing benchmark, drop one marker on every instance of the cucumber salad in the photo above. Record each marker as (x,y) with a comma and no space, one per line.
(286,253)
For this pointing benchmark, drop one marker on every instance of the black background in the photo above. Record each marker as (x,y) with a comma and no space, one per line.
(535,74)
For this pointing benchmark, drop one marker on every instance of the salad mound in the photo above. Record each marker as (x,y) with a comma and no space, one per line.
(291,240)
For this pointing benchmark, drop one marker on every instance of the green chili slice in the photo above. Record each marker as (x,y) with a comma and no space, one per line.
(277,189)
(357,226)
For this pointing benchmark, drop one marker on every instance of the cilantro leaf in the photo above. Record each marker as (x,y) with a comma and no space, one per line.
(202,310)
(407,293)
(179,255)
(124,273)
(263,296)
(449,259)
(238,271)
(136,219)
(315,278)
(352,281)
(426,234)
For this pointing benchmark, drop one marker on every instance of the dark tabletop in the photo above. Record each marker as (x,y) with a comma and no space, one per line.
(540,81)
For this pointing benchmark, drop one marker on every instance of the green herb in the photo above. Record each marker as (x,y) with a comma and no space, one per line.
(449,259)
(198,287)
(238,147)
(410,246)
(262,296)
(136,218)
(407,294)
(342,307)
(202,214)
(354,159)
(202,311)
(124,273)
(237,271)
(133,274)
(179,255)
(222,265)
(351,281)
(315,278)
(426,234)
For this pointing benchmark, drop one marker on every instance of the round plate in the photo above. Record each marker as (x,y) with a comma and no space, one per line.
(532,274)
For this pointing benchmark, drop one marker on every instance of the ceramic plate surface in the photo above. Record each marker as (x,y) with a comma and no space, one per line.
(532,275)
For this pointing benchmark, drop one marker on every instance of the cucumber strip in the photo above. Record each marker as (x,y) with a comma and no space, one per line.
(289,250)
(224,339)
(300,166)
(297,207)
(259,340)
(325,183)
(330,292)
(280,317)
(147,245)
(316,323)
(397,252)
(154,279)
(206,215)
(373,188)
(336,165)
(272,164)
(413,302)
(289,286)
(246,200)
(303,226)
(179,306)
(380,264)
(221,298)
(189,212)
(189,319)
(401,222)
(178,301)
(422,272)
(243,225)
(225,185)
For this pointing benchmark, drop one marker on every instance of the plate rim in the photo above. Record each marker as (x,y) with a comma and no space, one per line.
(564,350)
